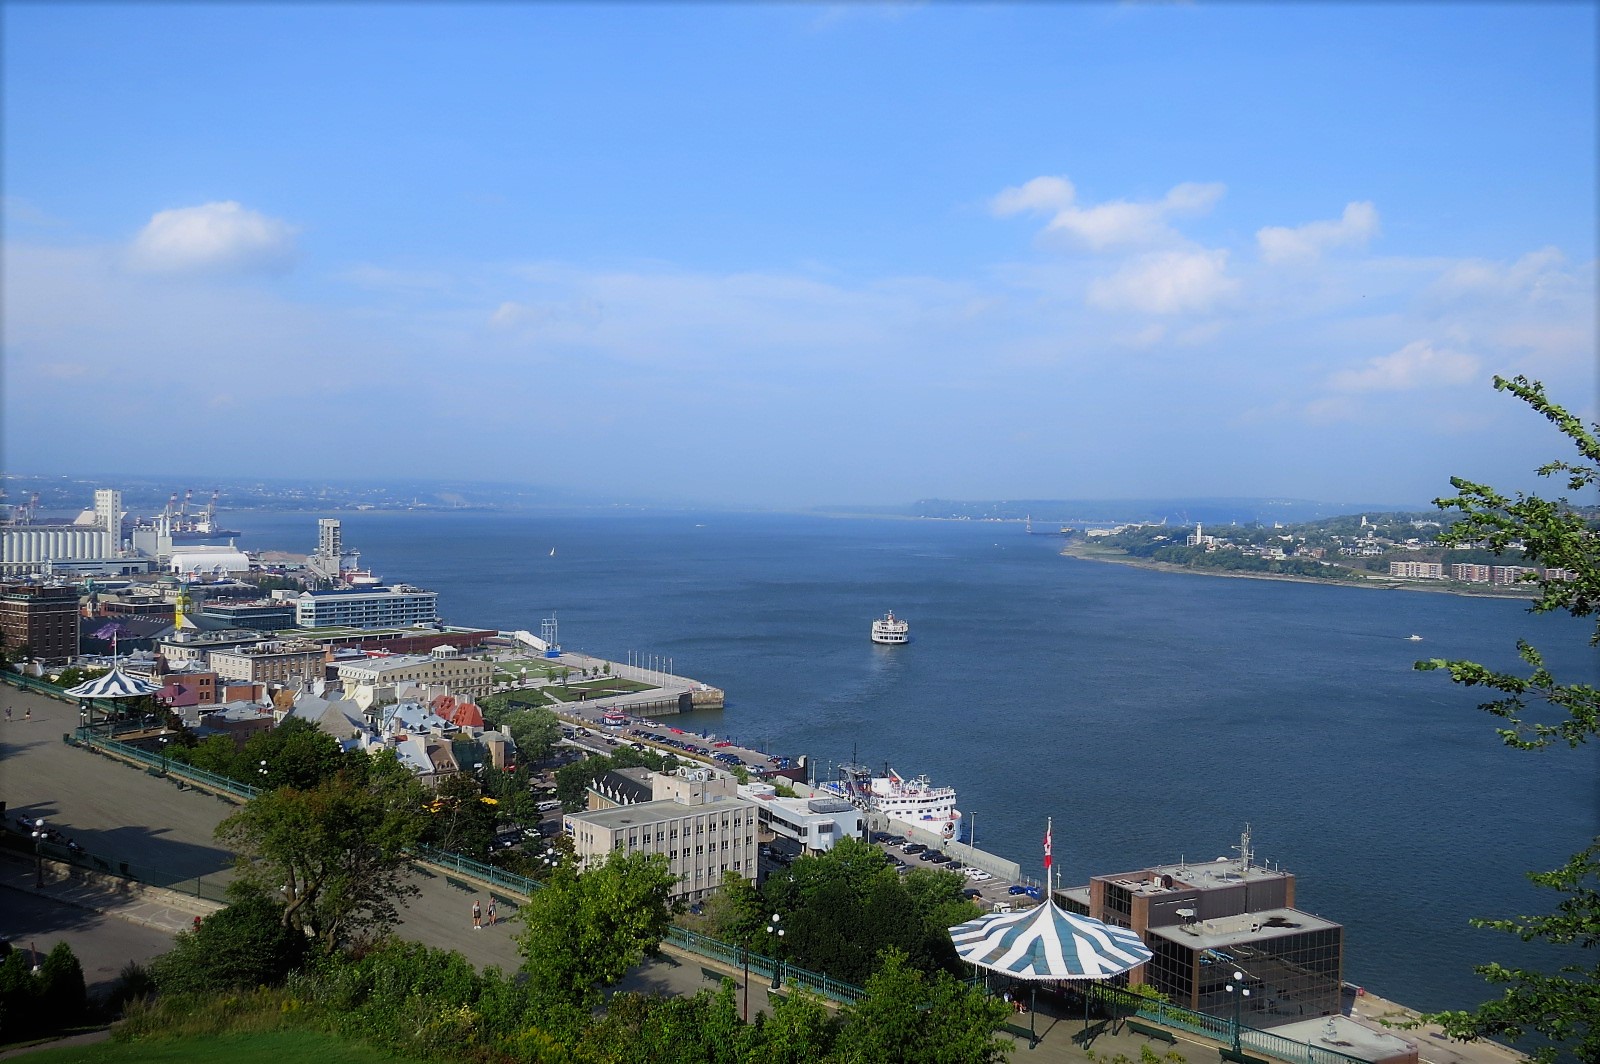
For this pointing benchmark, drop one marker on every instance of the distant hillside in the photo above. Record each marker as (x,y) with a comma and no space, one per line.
(1241,511)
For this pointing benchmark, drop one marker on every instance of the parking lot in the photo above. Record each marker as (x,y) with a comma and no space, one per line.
(990,892)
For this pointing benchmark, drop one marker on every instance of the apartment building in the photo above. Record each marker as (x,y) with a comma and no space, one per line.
(694,819)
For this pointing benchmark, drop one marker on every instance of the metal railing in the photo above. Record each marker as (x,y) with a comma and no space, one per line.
(211,887)
(764,966)
(495,878)
(1119,1001)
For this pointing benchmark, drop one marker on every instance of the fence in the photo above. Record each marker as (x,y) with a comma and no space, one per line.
(1118,1001)
(764,966)
(212,887)
(495,878)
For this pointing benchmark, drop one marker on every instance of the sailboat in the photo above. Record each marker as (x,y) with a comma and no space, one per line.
(552,552)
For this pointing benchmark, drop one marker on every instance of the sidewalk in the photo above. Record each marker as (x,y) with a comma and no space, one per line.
(152,907)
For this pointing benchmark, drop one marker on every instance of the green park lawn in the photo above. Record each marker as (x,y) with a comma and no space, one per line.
(269,1047)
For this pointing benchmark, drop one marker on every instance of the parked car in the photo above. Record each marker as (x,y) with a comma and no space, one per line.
(941,858)
(977,873)
(1015,889)
(913,847)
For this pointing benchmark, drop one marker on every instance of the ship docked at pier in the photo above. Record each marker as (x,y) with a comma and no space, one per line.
(891,630)
(915,802)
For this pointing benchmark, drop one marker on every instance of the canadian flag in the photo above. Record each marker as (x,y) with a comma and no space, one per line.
(1047,847)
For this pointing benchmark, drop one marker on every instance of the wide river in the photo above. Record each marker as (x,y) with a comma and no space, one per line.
(1152,715)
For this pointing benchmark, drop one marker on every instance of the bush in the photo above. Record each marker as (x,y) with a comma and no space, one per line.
(242,946)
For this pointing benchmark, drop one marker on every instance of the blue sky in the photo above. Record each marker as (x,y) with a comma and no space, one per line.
(797,254)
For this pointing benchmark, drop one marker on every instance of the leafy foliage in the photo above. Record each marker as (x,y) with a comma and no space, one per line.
(1560,1007)
(1553,534)
(909,1016)
(337,850)
(242,946)
(843,908)
(585,930)
(1563,1007)
(49,1000)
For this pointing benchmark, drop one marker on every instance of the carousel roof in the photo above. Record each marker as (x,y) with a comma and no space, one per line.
(114,684)
(1047,942)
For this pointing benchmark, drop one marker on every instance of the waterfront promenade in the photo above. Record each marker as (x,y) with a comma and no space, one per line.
(118,810)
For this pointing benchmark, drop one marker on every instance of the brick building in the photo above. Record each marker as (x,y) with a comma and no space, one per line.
(40,617)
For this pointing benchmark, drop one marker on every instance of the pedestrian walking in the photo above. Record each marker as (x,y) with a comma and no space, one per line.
(8,714)
(27,714)
(491,912)
(477,916)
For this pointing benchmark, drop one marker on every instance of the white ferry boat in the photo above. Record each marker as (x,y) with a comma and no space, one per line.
(915,801)
(890,630)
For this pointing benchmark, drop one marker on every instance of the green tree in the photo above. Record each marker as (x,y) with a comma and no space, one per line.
(242,946)
(60,994)
(461,819)
(535,731)
(585,930)
(1540,710)
(911,1017)
(296,753)
(337,851)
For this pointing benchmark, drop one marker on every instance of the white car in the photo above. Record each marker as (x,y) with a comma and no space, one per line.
(977,873)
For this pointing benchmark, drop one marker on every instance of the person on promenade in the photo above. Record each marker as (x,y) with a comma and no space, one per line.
(491,912)
(8,714)
(477,916)
(27,714)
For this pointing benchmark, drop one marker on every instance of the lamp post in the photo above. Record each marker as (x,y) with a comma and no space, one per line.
(1239,992)
(38,853)
(164,740)
(777,951)
(261,770)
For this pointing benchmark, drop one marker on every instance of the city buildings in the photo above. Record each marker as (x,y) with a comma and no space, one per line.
(694,819)
(1417,570)
(400,606)
(41,619)
(444,666)
(273,663)
(815,823)
(1206,921)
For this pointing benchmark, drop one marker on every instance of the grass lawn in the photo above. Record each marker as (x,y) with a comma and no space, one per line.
(271,1047)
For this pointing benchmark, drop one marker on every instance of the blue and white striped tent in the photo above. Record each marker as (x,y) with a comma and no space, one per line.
(114,684)
(1047,942)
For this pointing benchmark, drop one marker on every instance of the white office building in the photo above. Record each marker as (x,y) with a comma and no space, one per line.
(400,606)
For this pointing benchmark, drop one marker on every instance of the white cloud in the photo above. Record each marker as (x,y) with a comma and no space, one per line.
(1042,194)
(1304,243)
(1534,275)
(223,237)
(1417,365)
(1167,282)
(1116,223)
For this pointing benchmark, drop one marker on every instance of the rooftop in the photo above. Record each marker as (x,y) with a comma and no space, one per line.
(647,812)
(1232,932)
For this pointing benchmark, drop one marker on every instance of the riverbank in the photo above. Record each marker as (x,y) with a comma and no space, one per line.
(1091,553)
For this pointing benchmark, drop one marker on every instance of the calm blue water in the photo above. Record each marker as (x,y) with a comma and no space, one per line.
(1152,715)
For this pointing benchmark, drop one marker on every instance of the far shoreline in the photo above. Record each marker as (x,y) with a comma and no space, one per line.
(1085,552)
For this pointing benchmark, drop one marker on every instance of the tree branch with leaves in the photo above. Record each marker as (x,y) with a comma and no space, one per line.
(1561,540)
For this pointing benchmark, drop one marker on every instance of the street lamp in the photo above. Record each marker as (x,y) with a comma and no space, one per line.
(164,741)
(38,853)
(261,770)
(777,951)
(1239,992)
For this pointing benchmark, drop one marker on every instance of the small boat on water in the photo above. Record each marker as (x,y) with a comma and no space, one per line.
(890,630)
(1414,638)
